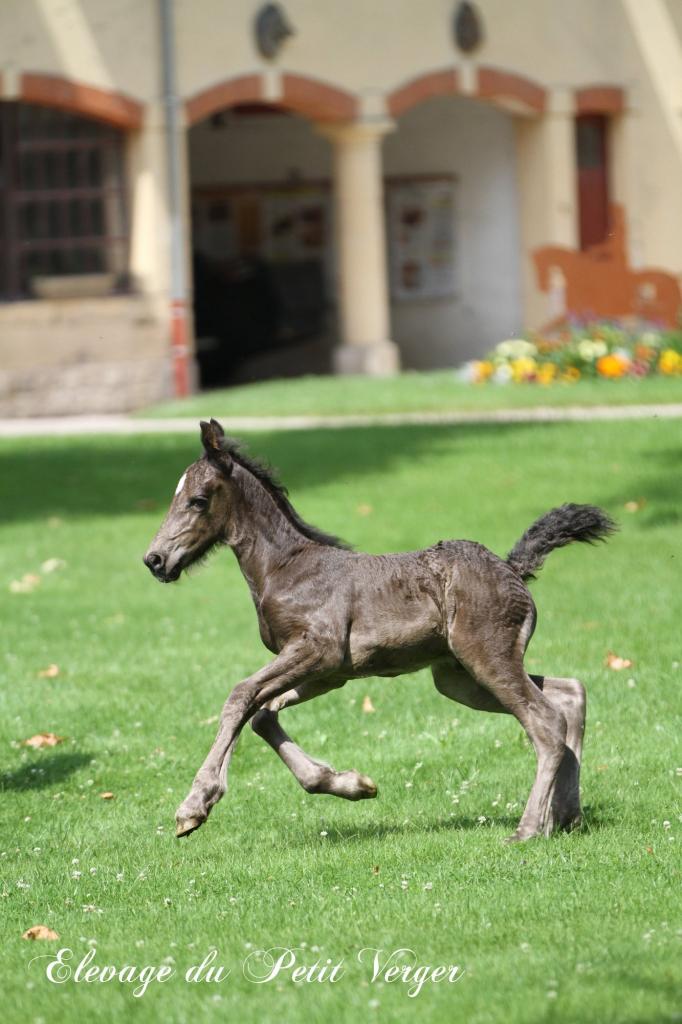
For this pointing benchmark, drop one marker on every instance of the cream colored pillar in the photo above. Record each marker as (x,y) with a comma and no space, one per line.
(548,197)
(361,249)
(150,266)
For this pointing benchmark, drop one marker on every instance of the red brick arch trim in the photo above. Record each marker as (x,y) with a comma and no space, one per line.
(600,99)
(102,104)
(434,83)
(316,100)
(244,89)
(502,87)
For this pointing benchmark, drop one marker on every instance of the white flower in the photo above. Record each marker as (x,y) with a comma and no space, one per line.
(324,834)
(467,372)
(502,375)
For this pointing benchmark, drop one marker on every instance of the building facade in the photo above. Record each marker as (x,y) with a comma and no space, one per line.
(199,191)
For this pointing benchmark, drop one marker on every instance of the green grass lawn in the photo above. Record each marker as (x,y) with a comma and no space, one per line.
(581,928)
(437,391)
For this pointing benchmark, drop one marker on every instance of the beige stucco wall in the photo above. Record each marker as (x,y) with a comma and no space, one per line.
(370,49)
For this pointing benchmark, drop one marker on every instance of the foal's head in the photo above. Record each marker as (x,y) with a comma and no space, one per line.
(198,514)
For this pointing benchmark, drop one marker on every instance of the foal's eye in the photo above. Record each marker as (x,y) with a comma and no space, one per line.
(199,503)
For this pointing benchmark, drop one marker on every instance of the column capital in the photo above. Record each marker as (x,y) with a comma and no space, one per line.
(561,102)
(349,132)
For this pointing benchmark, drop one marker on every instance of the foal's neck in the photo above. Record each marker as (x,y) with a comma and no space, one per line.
(259,532)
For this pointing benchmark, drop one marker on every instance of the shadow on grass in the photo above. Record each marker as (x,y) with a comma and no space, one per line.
(110,476)
(595,819)
(46,770)
(660,490)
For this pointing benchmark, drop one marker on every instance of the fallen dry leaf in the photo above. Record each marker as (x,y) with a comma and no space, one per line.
(40,931)
(364,510)
(42,739)
(634,506)
(617,663)
(28,582)
(108,795)
(367,706)
(209,721)
(375,869)
(52,564)
(50,672)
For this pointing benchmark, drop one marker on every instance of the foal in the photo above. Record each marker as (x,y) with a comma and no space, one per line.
(330,614)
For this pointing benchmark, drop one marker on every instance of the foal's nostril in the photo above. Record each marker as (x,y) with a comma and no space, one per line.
(153,561)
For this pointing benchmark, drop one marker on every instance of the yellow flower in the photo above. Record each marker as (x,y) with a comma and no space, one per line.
(484,370)
(547,373)
(670,361)
(523,369)
(571,374)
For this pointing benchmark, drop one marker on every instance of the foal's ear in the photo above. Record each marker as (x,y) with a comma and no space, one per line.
(212,435)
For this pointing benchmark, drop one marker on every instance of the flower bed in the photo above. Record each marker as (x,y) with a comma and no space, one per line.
(607,351)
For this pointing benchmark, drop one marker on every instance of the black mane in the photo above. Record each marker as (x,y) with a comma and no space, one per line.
(266,476)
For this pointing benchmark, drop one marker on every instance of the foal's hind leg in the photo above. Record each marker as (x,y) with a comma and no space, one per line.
(569,695)
(495,661)
(315,776)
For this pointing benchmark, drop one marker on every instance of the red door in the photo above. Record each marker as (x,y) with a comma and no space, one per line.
(593,186)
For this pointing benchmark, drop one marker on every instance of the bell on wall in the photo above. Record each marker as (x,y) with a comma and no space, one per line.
(468,28)
(271,28)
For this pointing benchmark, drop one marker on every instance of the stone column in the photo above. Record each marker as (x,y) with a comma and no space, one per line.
(548,200)
(361,249)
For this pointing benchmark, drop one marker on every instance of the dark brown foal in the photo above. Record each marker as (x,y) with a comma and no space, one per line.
(329,614)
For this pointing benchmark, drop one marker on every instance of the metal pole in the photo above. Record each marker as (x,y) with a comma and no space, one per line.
(173,129)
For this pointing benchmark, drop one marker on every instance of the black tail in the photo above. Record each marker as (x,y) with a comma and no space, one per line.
(555,529)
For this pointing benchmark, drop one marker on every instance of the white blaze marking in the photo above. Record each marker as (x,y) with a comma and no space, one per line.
(181,483)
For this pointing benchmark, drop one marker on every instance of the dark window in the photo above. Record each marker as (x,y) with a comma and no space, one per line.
(593,186)
(61,198)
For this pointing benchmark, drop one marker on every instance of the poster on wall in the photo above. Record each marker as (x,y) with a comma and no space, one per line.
(421,238)
(297,227)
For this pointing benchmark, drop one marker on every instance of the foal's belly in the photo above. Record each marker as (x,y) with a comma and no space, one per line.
(391,647)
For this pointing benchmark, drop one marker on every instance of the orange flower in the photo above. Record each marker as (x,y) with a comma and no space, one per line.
(611,366)
(644,352)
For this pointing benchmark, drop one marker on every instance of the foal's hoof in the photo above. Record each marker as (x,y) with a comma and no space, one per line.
(570,822)
(521,837)
(367,788)
(185,826)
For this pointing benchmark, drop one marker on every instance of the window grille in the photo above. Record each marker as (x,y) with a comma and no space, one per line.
(61,198)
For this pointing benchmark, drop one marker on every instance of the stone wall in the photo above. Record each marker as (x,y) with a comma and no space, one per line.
(82,356)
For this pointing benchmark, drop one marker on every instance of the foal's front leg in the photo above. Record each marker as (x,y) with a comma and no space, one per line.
(299,662)
(315,776)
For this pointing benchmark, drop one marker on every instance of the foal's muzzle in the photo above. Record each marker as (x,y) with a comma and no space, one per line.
(156,563)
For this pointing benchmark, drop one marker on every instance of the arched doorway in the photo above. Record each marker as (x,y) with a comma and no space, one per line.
(454,214)
(262,247)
